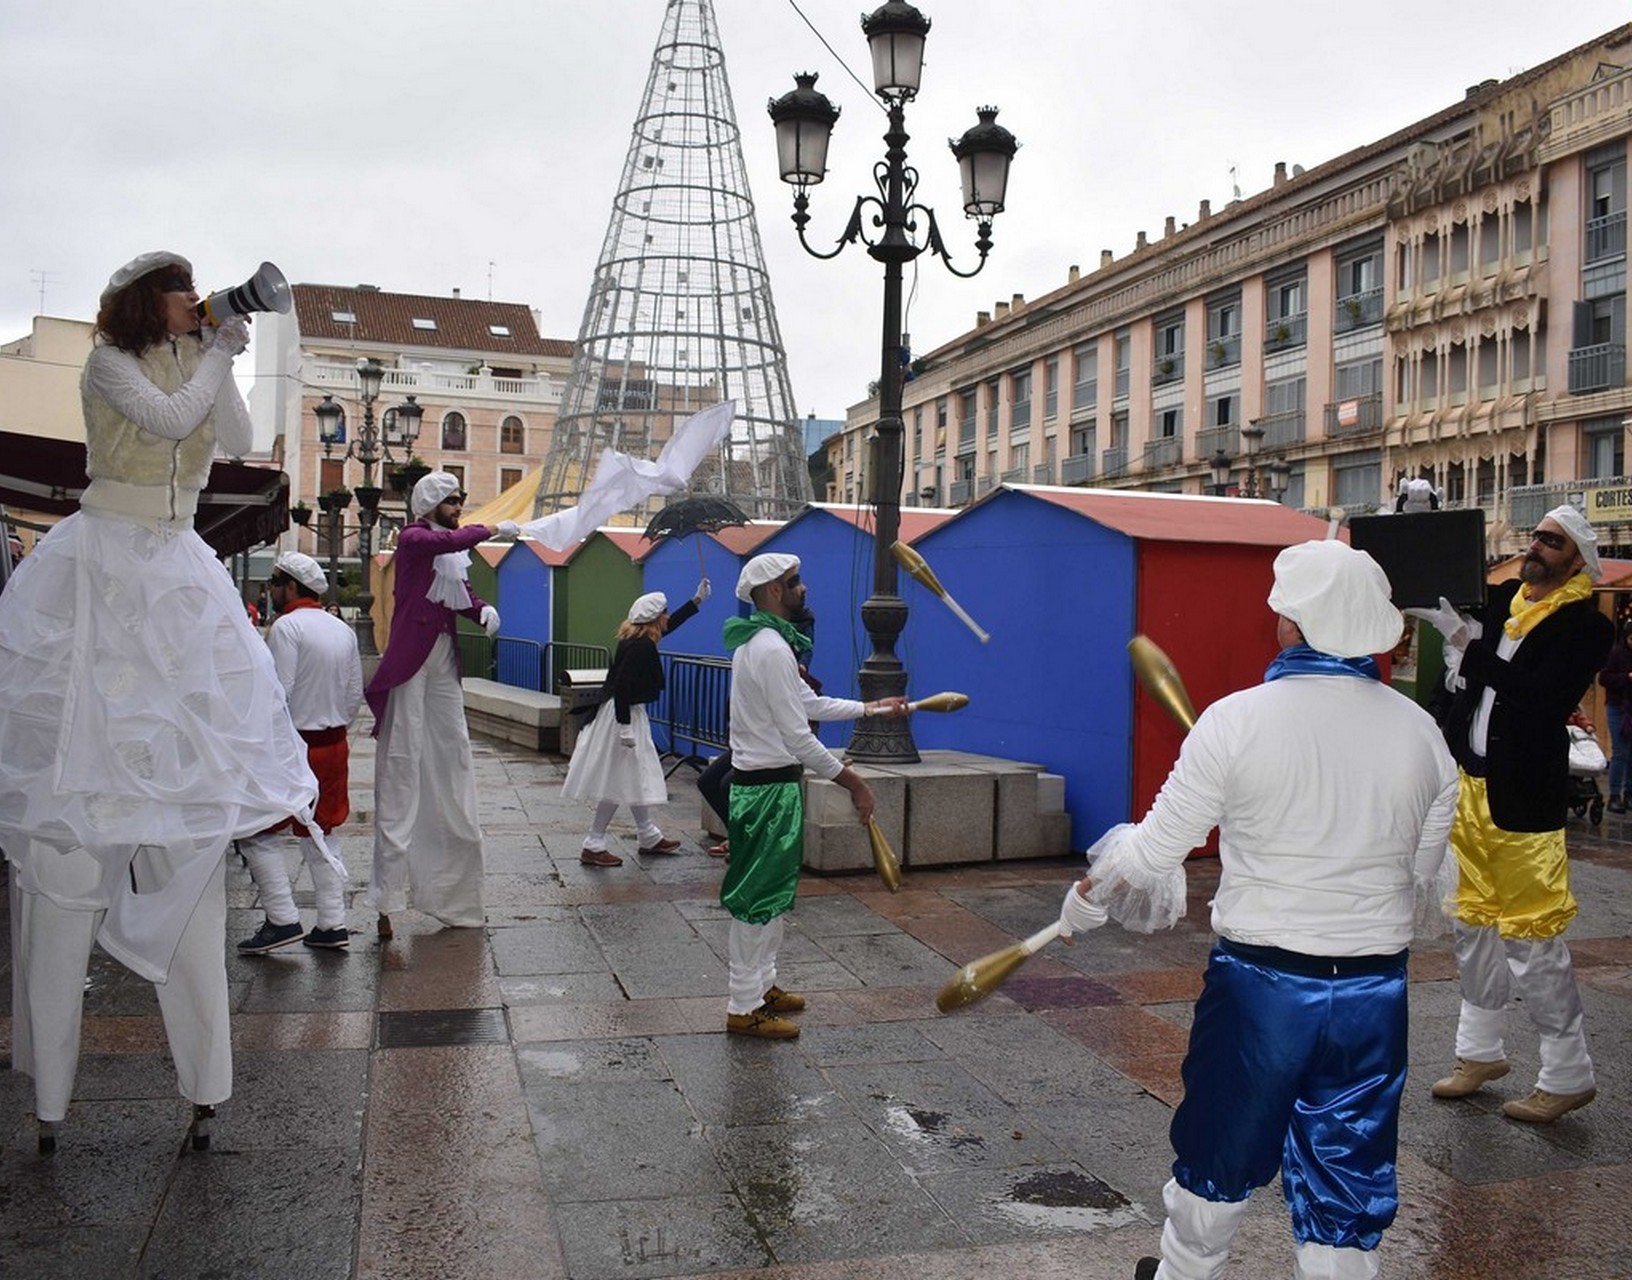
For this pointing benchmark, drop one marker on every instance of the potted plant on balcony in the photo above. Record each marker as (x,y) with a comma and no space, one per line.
(1218,351)
(300,513)
(1282,332)
(1165,367)
(1353,309)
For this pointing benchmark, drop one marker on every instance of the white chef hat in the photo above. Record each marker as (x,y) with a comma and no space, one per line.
(433,490)
(648,608)
(303,569)
(1339,597)
(762,569)
(1582,533)
(138,267)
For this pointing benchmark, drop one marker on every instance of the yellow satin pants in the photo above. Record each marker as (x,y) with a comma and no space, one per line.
(1517,882)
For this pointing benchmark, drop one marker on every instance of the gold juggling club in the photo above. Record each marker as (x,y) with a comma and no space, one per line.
(919,568)
(1161,679)
(885,862)
(940,702)
(979,978)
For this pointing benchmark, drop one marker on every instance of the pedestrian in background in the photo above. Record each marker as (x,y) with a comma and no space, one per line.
(615,761)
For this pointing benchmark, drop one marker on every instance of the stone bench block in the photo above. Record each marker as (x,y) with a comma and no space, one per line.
(524,717)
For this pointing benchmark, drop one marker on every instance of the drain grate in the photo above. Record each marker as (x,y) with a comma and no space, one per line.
(424,1028)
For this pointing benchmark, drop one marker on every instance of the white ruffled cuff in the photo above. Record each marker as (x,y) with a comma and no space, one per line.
(1436,900)
(1137,897)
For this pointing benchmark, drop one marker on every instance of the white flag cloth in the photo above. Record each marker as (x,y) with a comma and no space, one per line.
(622,481)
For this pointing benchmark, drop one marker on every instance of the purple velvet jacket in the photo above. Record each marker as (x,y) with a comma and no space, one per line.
(417,619)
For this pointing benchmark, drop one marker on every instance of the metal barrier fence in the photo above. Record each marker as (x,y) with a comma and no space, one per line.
(518,662)
(476,655)
(526,664)
(693,712)
(563,655)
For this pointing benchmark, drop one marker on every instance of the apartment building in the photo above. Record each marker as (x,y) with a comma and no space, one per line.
(487,383)
(1448,302)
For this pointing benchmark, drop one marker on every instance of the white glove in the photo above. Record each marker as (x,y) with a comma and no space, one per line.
(490,620)
(1078,915)
(704,590)
(1447,621)
(508,529)
(626,735)
(231,335)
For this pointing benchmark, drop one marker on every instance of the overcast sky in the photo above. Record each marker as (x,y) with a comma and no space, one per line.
(423,146)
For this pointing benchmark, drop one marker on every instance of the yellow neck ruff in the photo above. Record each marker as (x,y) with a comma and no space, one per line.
(1526,614)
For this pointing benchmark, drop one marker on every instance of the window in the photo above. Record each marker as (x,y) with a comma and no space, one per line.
(343,317)
(1085,391)
(458,473)
(1605,442)
(1221,411)
(966,417)
(1459,248)
(421,322)
(918,432)
(1172,423)
(453,433)
(1490,242)
(1357,479)
(499,330)
(1523,221)
(1224,319)
(1286,299)
(1430,258)
(1170,336)
(1051,388)
(512,436)
(331,474)
(1359,378)
(992,389)
(1518,347)
(1020,409)
(1124,363)
(509,478)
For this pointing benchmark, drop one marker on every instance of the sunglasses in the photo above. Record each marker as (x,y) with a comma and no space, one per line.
(1549,539)
(175,282)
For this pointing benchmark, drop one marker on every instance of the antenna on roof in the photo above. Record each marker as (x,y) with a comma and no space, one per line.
(1235,186)
(490,279)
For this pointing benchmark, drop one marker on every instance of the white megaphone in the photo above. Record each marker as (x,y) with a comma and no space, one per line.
(266,290)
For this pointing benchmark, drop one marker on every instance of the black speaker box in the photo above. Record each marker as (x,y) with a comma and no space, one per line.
(1427,554)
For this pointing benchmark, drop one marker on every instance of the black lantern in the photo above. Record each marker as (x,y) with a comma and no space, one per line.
(984,153)
(1221,472)
(895,34)
(804,121)
(370,373)
(331,422)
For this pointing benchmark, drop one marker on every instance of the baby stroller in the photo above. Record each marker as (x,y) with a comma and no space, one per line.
(1587,765)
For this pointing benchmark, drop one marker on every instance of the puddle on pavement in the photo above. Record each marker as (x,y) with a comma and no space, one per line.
(916,1122)
(552,1062)
(1066,1200)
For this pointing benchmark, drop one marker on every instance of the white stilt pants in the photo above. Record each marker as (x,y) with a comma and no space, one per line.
(648,831)
(51,951)
(752,959)
(1539,969)
(426,836)
(269,868)
(1197,1234)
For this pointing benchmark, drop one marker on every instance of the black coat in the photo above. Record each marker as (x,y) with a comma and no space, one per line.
(636,674)
(1527,746)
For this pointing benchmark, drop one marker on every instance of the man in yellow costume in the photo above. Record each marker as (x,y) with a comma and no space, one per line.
(1516,672)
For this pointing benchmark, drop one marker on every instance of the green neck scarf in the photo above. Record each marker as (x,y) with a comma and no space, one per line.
(738,631)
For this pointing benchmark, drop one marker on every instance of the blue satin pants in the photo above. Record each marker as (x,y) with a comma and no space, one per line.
(1299,1073)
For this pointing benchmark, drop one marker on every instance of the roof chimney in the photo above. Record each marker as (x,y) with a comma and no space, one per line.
(456,291)
(1002,309)
(1170,226)
(1019,301)
(1280,172)
(982,319)
(1072,274)
(1206,210)
(1139,242)
(1106,257)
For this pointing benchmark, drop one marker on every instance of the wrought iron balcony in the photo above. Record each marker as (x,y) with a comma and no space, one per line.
(1282,429)
(1606,237)
(1084,396)
(1597,368)
(1162,453)
(1224,350)
(1168,369)
(1014,475)
(1043,473)
(1077,469)
(957,493)
(1113,461)
(1358,311)
(1356,416)
(1213,439)
(1284,332)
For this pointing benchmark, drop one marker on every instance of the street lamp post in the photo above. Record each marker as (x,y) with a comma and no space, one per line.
(1252,438)
(1221,465)
(1280,478)
(903,229)
(369,449)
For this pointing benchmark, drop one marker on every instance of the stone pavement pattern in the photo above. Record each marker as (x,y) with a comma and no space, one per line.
(553,1097)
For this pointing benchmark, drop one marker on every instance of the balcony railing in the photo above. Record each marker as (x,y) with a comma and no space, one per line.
(1168,369)
(1606,237)
(1084,395)
(1014,475)
(1224,350)
(966,433)
(423,382)
(1284,332)
(1162,453)
(1528,503)
(1358,311)
(1113,461)
(1356,416)
(1282,429)
(1210,441)
(1043,473)
(1077,469)
(1020,416)
(984,485)
(957,492)
(1597,368)
(1121,387)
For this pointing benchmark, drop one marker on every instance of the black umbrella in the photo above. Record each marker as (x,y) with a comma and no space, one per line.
(700,514)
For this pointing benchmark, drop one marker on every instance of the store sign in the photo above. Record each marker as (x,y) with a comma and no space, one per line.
(1611,504)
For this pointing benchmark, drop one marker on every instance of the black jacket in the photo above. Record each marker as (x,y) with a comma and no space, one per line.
(636,674)
(1526,763)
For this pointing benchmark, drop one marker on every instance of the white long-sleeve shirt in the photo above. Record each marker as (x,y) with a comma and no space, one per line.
(1334,798)
(771,707)
(315,654)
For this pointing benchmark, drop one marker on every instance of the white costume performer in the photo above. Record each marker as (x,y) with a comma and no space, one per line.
(316,657)
(1334,798)
(142,727)
(426,836)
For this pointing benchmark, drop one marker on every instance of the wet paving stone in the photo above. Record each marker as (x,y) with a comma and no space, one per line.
(994,1206)
(674,1236)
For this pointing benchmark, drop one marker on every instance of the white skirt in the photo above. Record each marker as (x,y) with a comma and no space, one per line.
(603,769)
(138,707)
